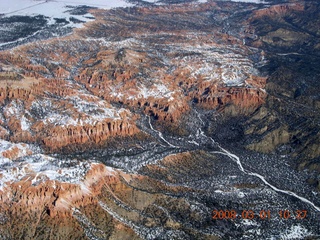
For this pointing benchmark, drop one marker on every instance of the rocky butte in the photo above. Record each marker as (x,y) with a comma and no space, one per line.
(141,123)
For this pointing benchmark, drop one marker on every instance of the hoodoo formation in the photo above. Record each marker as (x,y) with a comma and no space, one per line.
(64,88)
(145,120)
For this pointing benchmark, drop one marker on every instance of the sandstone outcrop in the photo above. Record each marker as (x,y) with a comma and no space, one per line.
(245,99)
(135,73)
(280,10)
(187,65)
(56,205)
(62,136)
(106,203)
(82,126)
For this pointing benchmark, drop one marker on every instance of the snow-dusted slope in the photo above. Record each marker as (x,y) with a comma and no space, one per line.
(20,161)
(119,91)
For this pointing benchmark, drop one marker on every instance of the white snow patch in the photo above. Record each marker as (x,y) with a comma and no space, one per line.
(25,124)
(39,168)
(249,222)
(296,232)
(60,120)
(15,108)
(5,145)
(84,188)
(110,171)
(213,65)
(241,195)
(95,111)
(157,91)
(91,110)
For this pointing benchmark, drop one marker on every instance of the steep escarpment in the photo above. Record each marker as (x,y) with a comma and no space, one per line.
(162,94)
(245,100)
(55,205)
(287,28)
(56,114)
(87,88)
(288,122)
(59,137)
(104,202)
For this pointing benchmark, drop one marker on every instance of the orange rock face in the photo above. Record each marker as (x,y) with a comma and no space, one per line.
(90,90)
(51,203)
(82,90)
(108,202)
(244,98)
(279,10)
(63,136)
(98,87)
(81,126)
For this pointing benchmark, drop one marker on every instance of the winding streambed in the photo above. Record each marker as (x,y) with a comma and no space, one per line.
(236,159)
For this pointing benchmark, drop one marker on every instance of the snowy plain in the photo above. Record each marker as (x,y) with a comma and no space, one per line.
(61,9)
(54,8)
(57,8)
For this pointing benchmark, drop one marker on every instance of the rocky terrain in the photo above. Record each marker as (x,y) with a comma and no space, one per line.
(144,121)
